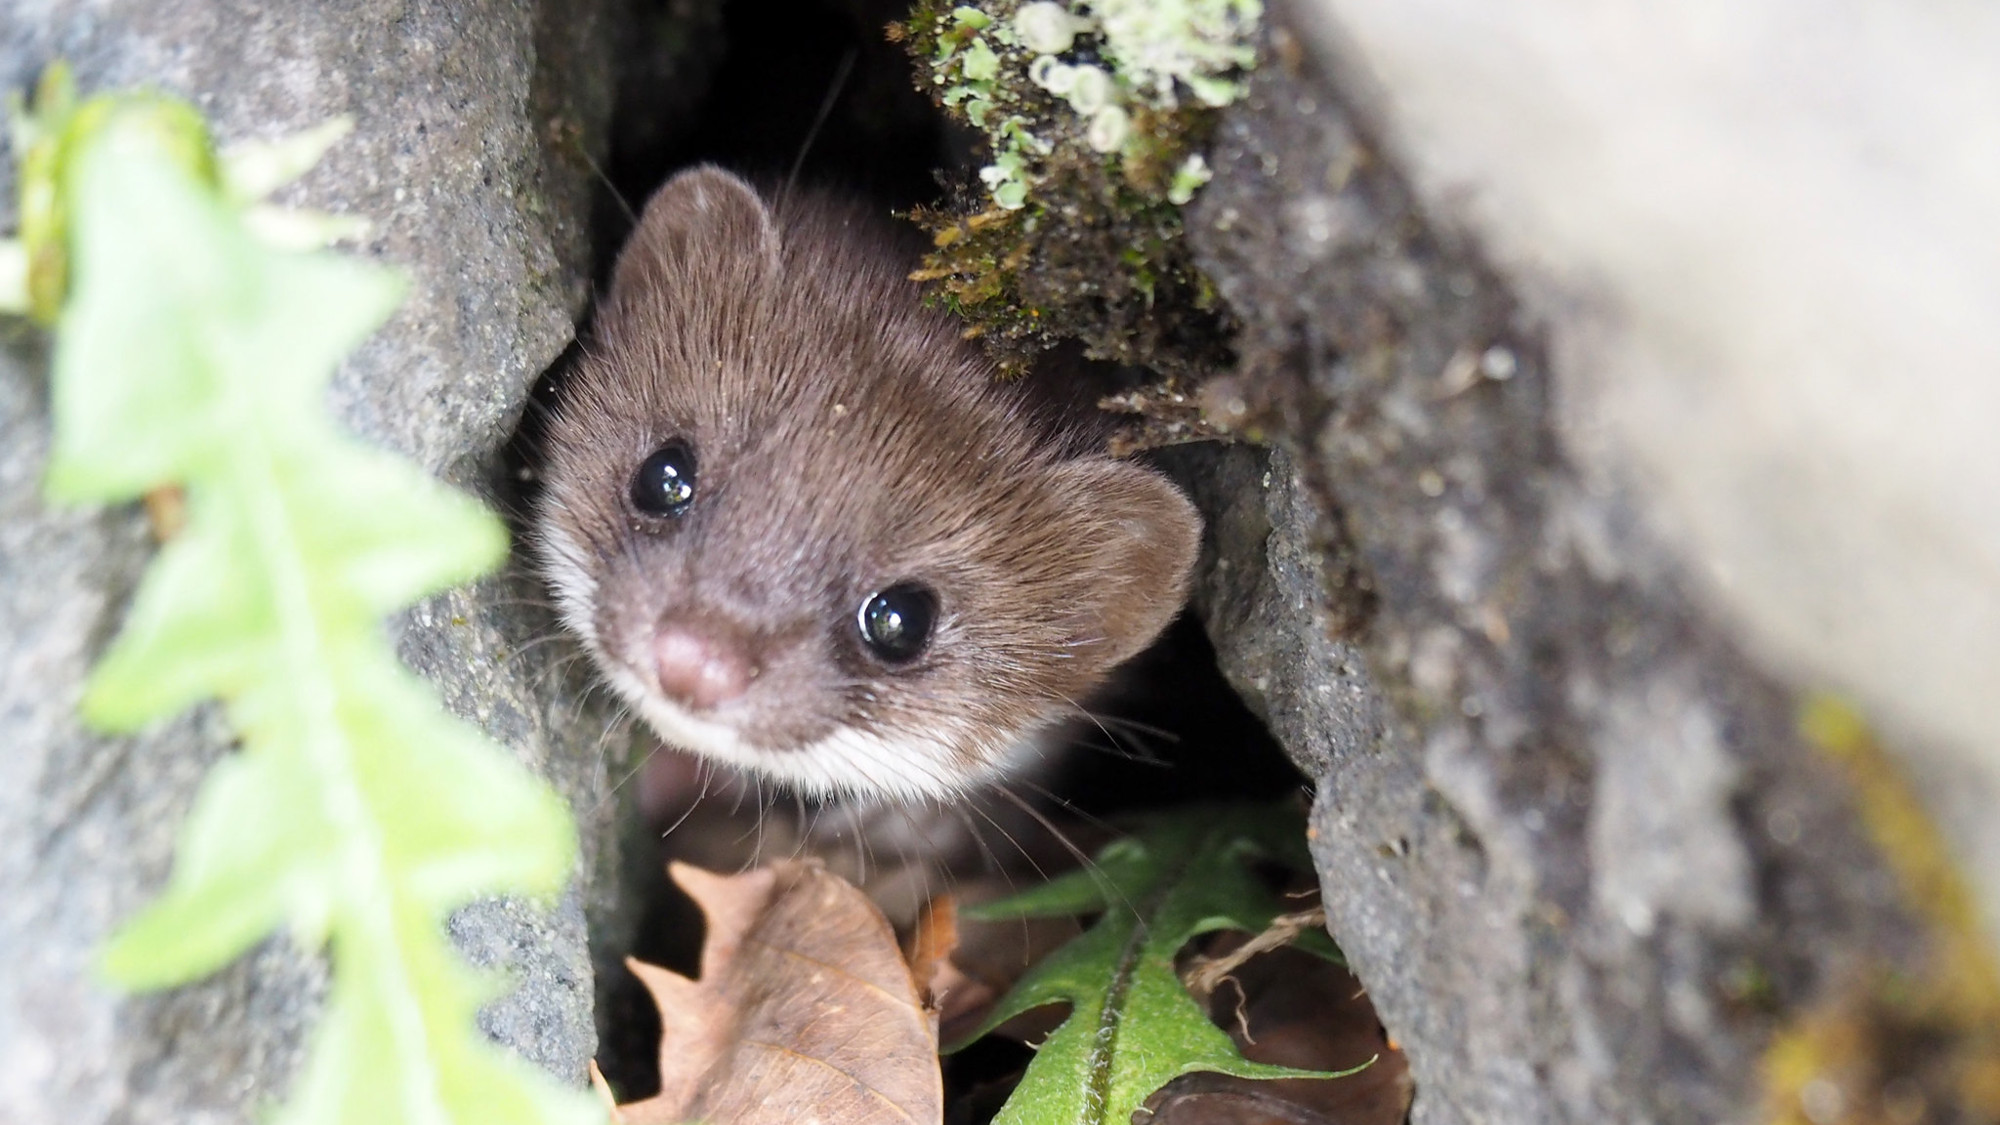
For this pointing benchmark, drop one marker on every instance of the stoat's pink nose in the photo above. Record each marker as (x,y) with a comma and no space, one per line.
(698,668)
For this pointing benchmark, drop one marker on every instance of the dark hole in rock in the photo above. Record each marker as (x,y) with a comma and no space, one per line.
(1175,734)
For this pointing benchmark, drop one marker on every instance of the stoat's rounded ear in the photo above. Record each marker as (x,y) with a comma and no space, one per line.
(1137,539)
(704,223)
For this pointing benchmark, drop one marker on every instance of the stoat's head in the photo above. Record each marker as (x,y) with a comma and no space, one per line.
(801,527)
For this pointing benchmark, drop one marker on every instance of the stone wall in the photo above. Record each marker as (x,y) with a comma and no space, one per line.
(476,125)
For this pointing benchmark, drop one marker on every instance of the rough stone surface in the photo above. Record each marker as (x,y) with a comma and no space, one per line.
(1575,848)
(1767,243)
(86,831)
(475,121)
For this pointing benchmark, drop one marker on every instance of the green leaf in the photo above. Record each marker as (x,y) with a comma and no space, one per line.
(199,626)
(1132,1026)
(246,863)
(159,373)
(358,812)
(460,816)
(46,141)
(359,1073)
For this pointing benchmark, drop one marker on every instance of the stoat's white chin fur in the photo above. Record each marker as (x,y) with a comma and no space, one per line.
(847,762)
(903,767)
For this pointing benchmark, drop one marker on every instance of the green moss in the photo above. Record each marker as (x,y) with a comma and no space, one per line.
(1094,116)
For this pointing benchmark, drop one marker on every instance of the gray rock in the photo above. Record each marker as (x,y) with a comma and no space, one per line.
(87,828)
(476,125)
(1569,835)
(1765,254)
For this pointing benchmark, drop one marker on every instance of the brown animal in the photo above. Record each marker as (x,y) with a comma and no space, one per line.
(804,529)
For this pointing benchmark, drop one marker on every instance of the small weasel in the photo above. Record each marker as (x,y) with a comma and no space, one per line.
(803,527)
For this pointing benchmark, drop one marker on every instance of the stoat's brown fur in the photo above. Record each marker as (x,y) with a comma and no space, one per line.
(847,438)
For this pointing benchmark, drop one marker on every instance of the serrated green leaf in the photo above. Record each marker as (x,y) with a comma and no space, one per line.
(191,629)
(466,1081)
(228,334)
(400,535)
(1132,1026)
(191,353)
(458,817)
(247,862)
(46,141)
(1084,891)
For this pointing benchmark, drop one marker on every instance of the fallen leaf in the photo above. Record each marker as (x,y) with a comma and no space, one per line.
(1132,1026)
(931,944)
(805,1010)
(987,958)
(602,1089)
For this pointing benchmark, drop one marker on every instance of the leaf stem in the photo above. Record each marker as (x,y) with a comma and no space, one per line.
(369,894)
(1104,1042)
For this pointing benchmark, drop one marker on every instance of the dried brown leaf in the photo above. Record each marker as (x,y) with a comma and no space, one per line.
(805,1010)
(986,959)
(931,944)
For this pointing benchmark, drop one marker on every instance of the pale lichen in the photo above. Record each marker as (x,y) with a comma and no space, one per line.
(1094,114)
(1158,47)
(1102,58)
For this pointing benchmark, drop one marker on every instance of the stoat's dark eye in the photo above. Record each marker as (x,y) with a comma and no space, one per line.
(896,622)
(664,484)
